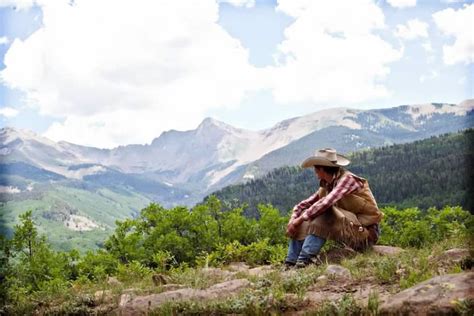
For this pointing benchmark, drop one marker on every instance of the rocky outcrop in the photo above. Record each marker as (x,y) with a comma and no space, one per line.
(437,296)
(143,304)
(387,250)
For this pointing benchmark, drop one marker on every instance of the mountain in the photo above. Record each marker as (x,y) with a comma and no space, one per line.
(182,167)
(431,172)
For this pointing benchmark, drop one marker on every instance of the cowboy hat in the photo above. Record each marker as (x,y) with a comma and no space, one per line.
(326,157)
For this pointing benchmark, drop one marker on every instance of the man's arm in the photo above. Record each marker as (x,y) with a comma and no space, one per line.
(303,205)
(345,186)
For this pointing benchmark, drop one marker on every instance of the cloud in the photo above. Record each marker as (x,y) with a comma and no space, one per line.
(402,3)
(93,61)
(331,53)
(457,24)
(432,75)
(18,4)
(8,112)
(412,30)
(4,40)
(240,3)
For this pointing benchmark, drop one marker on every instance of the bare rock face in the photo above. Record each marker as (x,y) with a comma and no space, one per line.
(387,250)
(142,304)
(437,296)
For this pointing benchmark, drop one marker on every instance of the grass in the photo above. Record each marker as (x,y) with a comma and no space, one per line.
(273,293)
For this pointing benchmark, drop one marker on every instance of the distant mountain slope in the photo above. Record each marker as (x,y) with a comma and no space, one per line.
(216,154)
(431,172)
(376,128)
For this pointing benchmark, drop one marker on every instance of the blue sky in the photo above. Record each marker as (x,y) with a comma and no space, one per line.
(111,73)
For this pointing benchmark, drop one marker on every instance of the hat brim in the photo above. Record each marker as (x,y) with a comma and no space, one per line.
(319,161)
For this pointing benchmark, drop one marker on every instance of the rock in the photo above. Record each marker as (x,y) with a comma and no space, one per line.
(172,287)
(455,255)
(322,278)
(437,296)
(260,271)
(337,271)
(336,255)
(112,281)
(160,279)
(103,297)
(238,267)
(387,250)
(142,304)
(217,273)
(124,299)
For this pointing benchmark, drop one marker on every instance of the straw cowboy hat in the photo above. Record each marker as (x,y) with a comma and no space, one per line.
(326,157)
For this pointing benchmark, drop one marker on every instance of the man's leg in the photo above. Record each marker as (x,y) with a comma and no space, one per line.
(294,249)
(311,246)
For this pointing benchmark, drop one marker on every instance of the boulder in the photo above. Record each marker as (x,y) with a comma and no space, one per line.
(218,273)
(338,272)
(143,304)
(455,255)
(103,297)
(260,271)
(437,296)
(238,267)
(112,281)
(336,255)
(387,250)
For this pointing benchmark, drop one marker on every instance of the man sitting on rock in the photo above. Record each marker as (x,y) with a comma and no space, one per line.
(343,209)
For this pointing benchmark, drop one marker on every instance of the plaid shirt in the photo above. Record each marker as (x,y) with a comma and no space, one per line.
(314,205)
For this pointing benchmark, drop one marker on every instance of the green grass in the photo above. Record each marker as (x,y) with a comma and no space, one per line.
(104,207)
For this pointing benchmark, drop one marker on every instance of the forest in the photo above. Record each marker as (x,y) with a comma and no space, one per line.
(428,173)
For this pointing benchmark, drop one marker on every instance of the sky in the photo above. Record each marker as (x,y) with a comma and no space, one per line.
(116,72)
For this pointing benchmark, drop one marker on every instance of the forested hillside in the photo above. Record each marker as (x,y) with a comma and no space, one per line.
(426,173)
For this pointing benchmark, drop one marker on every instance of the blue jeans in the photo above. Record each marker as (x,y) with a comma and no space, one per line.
(304,250)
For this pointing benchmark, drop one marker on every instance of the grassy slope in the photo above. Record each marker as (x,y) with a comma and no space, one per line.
(103,207)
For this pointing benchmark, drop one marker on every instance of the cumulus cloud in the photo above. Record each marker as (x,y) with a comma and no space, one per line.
(458,24)
(18,4)
(8,112)
(331,53)
(240,3)
(413,29)
(402,3)
(4,40)
(432,75)
(93,61)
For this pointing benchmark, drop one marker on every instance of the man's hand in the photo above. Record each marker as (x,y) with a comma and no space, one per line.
(292,226)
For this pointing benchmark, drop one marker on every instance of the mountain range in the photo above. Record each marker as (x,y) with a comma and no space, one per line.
(181,167)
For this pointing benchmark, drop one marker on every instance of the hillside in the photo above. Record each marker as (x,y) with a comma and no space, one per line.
(425,173)
(207,261)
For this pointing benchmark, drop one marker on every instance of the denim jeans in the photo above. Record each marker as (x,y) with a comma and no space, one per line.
(304,250)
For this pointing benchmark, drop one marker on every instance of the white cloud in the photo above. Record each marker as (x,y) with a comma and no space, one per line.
(8,112)
(95,61)
(331,54)
(402,3)
(412,30)
(4,40)
(240,3)
(432,75)
(458,24)
(18,4)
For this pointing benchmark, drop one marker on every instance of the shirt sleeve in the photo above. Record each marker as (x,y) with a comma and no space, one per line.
(347,185)
(301,206)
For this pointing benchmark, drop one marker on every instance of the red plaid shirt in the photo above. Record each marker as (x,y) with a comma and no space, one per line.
(314,205)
